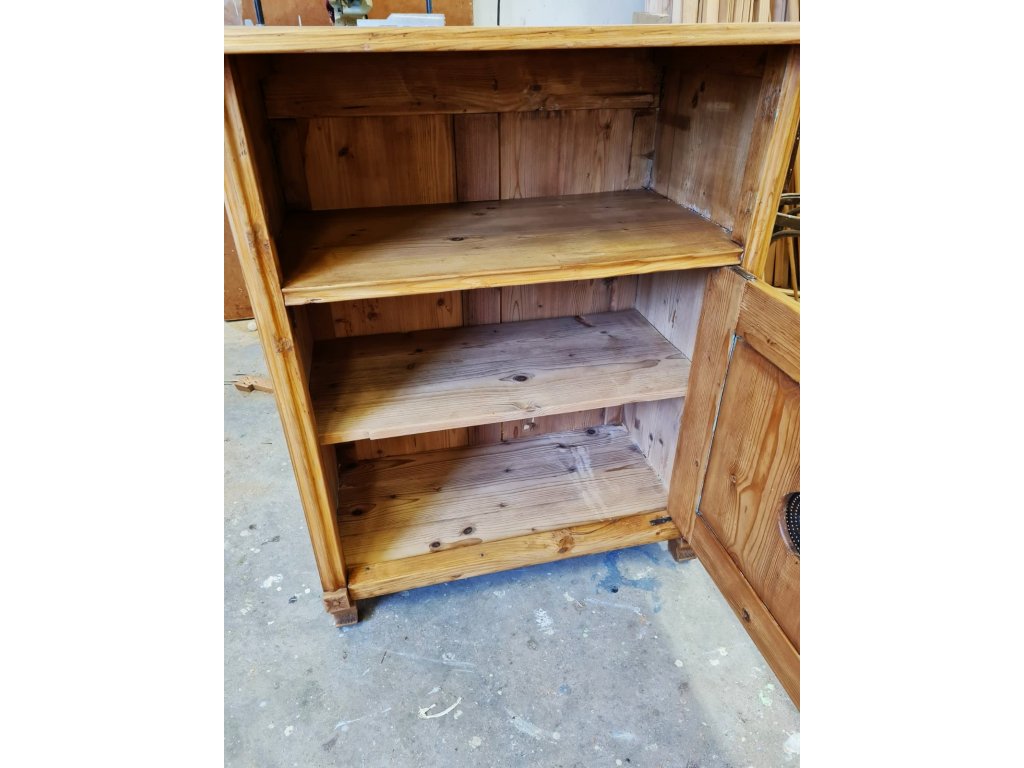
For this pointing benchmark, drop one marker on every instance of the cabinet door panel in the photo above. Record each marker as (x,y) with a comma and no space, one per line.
(739,458)
(755,465)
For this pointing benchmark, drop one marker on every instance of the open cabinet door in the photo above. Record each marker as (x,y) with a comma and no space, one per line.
(738,460)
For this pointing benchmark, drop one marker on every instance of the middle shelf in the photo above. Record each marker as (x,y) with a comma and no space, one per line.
(402,384)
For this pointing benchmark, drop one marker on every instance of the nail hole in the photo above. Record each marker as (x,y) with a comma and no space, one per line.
(468,530)
(591,431)
(519,377)
(435,544)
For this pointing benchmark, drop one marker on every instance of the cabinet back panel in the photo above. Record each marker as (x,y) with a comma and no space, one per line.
(325,85)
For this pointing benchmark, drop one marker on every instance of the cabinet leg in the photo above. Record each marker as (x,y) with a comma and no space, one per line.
(680,550)
(341,607)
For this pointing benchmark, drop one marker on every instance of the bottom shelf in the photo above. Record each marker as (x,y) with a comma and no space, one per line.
(425,518)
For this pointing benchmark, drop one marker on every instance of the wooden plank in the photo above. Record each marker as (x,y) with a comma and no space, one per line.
(401,314)
(397,314)
(385,578)
(770,322)
(392,385)
(718,317)
(569,299)
(476,157)
(641,154)
(361,162)
(247,213)
(445,83)
(577,297)
(250,40)
(755,617)
(771,147)
(441,500)
(754,466)
(705,129)
(544,154)
(426,249)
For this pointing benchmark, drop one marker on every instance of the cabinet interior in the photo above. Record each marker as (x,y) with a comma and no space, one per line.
(454,231)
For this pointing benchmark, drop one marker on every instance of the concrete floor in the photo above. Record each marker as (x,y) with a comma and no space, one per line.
(622,659)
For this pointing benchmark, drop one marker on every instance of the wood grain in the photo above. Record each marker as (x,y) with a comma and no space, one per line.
(440,500)
(250,40)
(770,322)
(445,83)
(568,299)
(361,162)
(771,146)
(754,466)
(544,154)
(718,318)
(426,249)
(477,168)
(248,215)
(384,578)
(397,314)
(384,386)
(704,133)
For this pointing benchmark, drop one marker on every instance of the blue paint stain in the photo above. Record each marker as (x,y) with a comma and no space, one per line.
(564,689)
(614,579)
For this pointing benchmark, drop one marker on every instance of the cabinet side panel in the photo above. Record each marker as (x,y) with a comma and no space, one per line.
(671,302)
(704,132)
(778,113)
(249,217)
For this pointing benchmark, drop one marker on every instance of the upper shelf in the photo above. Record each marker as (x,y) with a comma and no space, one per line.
(349,39)
(371,252)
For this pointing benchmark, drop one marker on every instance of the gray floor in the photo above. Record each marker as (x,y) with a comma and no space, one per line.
(620,659)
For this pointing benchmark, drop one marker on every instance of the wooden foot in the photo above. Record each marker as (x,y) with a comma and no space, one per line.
(341,607)
(680,550)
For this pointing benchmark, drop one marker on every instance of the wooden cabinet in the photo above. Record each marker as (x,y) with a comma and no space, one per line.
(499,280)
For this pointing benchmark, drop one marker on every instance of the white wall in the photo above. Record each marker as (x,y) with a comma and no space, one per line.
(546,13)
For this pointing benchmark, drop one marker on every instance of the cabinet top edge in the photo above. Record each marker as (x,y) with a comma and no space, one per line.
(243,40)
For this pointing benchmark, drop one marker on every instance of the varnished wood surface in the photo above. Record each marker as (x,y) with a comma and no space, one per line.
(249,215)
(247,40)
(755,465)
(387,577)
(430,502)
(424,249)
(770,322)
(384,386)
(712,348)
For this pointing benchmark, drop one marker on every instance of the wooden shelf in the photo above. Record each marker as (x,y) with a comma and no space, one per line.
(371,252)
(403,384)
(428,504)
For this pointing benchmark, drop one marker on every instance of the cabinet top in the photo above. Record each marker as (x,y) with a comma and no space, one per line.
(239,40)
